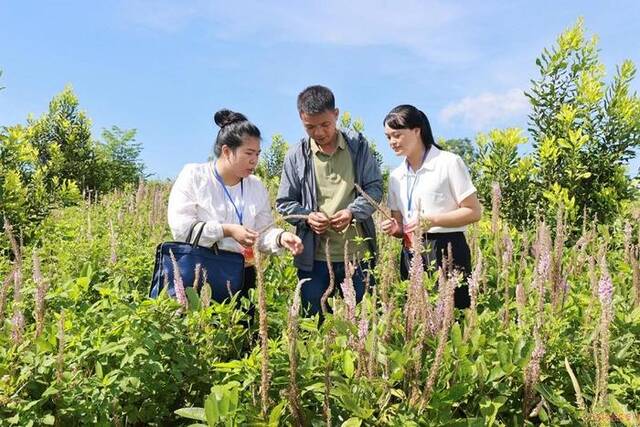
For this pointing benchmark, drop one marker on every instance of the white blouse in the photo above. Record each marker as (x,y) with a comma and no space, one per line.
(441,184)
(197,195)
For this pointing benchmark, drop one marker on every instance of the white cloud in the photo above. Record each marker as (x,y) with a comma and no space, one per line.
(487,109)
(163,15)
(432,29)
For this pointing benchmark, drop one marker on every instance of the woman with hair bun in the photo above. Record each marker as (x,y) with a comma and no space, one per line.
(233,203)
(436,181)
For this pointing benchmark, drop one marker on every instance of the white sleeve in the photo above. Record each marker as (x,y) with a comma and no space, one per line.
(183,211)
(267,242)
(460,180)
(393,199)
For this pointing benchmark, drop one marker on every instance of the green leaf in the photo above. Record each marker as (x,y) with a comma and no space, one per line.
(465,369)
(456,336)
(109,378)
(503,354)
(622,353)
(233,395)
(456,392)
(51,391)
(554,398)
(352,422)
(467,422)
(193,298)
(211,410)
(99,373)
(48,420)
(229,366)
(83,283)
(276,414)
(315,387)
(223,404)
(525,354)
(348,365)
(489,409)
(192,413)
(481,368)
(44,345)
(112,348)
(496,374)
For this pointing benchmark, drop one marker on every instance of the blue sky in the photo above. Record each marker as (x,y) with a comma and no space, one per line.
(164,67)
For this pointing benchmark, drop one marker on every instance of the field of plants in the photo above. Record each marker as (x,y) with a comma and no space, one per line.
(552,336)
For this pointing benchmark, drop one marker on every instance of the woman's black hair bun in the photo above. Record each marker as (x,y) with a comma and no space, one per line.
(226,117)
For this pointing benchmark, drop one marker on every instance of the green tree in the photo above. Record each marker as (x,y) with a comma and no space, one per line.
(43,164)
(63,140)
(274,157)
(27,191)
(463,147)
(356,127)
(498,161)
(270,166)
(118,159)
(584,130)
(66,129)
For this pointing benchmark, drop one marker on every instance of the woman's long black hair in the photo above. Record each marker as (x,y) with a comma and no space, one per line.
(409,117)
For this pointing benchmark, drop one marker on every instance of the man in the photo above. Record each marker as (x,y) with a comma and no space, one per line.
(318,180)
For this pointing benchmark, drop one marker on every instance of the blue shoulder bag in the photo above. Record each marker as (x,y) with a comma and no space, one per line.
(224,270)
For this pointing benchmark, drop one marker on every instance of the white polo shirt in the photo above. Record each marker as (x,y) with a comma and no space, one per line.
(441,184)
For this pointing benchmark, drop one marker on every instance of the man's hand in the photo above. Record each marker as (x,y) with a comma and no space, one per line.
(341,220)
(318,222)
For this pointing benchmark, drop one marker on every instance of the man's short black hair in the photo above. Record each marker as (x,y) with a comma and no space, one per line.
(315,100)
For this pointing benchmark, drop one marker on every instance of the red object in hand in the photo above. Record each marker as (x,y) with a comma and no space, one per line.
(248,255)
(407,240)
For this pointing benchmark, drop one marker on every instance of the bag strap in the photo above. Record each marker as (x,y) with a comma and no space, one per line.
(198,235)
(197,239)
(193,226)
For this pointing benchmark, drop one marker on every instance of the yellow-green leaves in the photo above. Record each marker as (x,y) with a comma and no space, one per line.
(348,363)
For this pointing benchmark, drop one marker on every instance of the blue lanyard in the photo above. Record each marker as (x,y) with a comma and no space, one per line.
(239,212)
(413,185)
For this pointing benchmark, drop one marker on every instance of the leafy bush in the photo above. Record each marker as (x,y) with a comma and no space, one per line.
(52,160)
(584,132)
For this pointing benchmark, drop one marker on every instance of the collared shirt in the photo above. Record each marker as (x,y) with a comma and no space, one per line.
(335,180)
(439,186)
(197,195)
(296,195)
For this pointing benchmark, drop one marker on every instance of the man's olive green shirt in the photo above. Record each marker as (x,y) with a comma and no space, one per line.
(335,191)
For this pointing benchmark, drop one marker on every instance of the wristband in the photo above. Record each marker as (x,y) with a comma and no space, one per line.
(279,238)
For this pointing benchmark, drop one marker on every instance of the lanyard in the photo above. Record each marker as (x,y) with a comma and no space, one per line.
(239,212)
(413,185)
